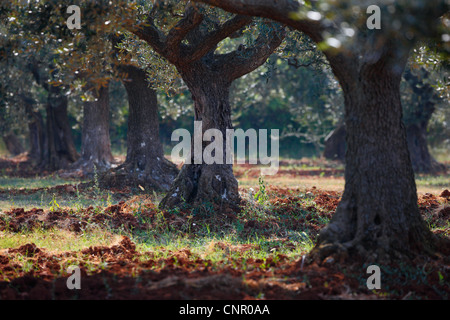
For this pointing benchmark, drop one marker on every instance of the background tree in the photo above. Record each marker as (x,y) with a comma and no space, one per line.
(51,143)
(145,164)
(190,46)
(88,63)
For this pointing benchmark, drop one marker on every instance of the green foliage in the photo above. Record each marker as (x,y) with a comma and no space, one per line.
(54,206)
(261,196)
(294,91)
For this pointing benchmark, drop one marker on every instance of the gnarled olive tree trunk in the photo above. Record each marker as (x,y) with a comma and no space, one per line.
(378,216)
(202,183)
(418,110)
(61,151)
(145,164)
(95,141)
(190,46)
(53,147)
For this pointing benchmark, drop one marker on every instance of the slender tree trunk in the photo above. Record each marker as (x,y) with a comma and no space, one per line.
(378,216)
(145,164)
(13,144)
(206,183)
(95,140)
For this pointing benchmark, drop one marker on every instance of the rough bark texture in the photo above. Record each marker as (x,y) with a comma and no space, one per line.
(202,183)
(52,147)
(209,77)
(335,144)
(145,164)
(36,135)
(13,144)
(61,151)
(418,114)
(95,142)
(378,217)
(416,134)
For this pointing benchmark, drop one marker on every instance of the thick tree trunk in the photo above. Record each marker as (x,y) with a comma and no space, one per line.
(206,183)
(95,141)
(416,134)
(61,151)
(418,114)
(378,216)
(145,164)
(13,144)
(57,149)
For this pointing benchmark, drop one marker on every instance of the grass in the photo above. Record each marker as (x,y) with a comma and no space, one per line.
(264,237)
(425,183)
(437,183)
(10,183)
(56,240)
(210,239)
(219,242)
(49,201)
(224,243)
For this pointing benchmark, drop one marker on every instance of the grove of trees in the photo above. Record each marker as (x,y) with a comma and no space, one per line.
(309,66)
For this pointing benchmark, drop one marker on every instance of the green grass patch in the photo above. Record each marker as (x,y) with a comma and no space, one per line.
(57,240)
(9,183)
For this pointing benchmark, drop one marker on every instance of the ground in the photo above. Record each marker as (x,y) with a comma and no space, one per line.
(127,248)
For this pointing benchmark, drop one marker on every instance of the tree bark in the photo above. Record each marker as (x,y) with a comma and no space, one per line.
(95,141)
(13,144)
(209,77)
(206,183)
(335,144)
(60,151)
(419,114)
(145,163)
(421,158)
(416,134)
(378,217)
(54,146)
(36,135)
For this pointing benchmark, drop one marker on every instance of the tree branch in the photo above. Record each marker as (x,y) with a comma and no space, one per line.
(279,10)
(211,40)
(293,62)
(245,60)
(149,33)
(192,19)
